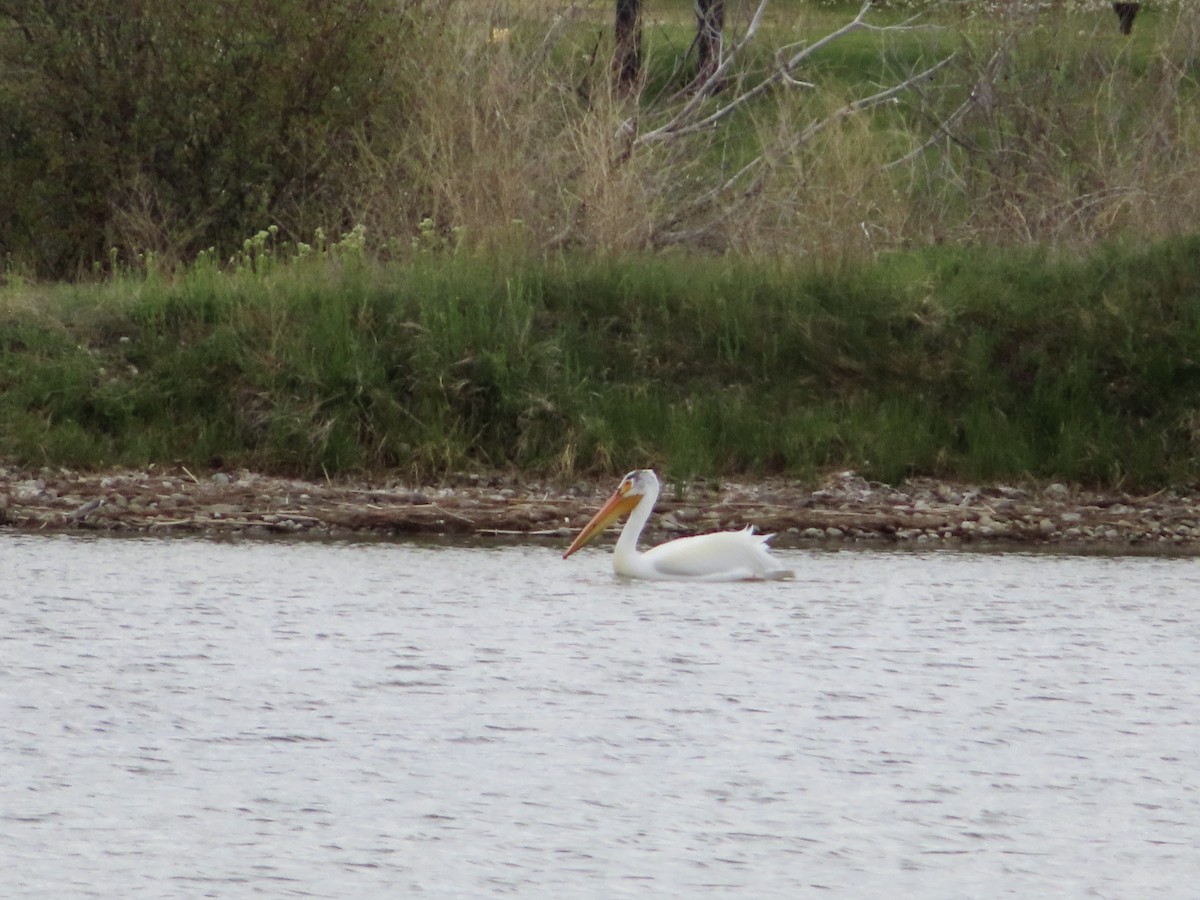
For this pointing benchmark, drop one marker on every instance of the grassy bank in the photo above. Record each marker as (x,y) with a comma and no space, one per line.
(957,362)
(992,274)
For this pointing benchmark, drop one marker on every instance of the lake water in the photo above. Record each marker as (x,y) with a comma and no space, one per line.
(187,718)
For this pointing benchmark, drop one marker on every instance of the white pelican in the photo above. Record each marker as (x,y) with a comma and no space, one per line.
(721,556)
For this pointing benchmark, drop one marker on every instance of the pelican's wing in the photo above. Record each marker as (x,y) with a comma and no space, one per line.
(722,556)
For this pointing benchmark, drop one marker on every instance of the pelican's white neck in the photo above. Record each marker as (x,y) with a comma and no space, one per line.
(626,559)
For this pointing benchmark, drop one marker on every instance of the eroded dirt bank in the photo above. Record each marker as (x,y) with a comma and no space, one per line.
(846,508)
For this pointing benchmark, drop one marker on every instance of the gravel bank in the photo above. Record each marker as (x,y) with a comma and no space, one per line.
(846,509)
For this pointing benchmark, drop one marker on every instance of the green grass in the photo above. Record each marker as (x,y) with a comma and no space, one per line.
(957,362)
(1017,299)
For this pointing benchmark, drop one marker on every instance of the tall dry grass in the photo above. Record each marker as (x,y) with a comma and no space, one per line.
(1048,127)
(491,126)
(513,142)
(1073,135)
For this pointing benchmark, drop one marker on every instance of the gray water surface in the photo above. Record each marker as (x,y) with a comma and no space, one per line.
(185,718)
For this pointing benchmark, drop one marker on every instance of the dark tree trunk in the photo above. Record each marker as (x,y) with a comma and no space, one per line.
(627,59)
(710,26)
(1126,12)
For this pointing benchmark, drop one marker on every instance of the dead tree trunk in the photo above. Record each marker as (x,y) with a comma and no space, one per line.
(1125,12)
(710,28)
(627,58)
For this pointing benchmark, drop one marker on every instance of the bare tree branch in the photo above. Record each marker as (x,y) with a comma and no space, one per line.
(982,96)
(723,190)
(671,121)
(688,119)
(856,106)
(691,108)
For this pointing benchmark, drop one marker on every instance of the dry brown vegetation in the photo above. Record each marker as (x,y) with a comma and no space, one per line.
(1045,126)
(492,125)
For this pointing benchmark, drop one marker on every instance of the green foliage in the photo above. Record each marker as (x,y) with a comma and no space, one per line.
(167,128)
(971,363)
(508,312)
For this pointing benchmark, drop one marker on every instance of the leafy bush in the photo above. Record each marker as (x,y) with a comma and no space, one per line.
(168,128)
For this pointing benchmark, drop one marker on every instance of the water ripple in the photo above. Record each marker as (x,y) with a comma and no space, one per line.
(340,720)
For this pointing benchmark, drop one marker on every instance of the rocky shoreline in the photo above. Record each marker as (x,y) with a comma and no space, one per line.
(846,509)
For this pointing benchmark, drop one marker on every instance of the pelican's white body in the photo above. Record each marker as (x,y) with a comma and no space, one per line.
(721,556)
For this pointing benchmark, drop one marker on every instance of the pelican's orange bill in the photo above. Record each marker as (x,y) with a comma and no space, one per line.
(616,506)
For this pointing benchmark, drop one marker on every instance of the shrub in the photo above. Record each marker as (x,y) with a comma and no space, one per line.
(167,128)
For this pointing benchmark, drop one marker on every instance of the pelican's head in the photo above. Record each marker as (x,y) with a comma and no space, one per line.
(633,487)
(640,482)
